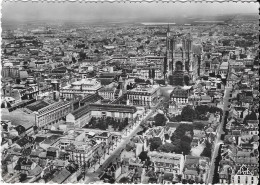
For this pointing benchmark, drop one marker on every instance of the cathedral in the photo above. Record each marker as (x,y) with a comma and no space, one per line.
(179,62)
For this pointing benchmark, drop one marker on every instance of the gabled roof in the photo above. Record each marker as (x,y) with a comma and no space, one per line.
(244,171)
(37,105)
(91,98)
(81,111)
(22,142)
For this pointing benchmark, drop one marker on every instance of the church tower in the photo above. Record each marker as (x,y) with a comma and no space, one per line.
(180,58)
(168,50)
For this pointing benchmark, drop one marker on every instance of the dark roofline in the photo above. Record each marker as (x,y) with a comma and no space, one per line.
(91,98)
(113,107)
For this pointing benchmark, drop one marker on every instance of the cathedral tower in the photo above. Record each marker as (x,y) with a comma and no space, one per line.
(179,57)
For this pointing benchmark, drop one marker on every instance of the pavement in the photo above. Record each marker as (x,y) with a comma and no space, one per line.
(218,140)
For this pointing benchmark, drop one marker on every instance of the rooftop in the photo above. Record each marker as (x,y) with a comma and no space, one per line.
(61,176)
(113,108)
(37,105)
(144,89)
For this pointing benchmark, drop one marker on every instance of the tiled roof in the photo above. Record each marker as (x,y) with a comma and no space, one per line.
(51,139)
(22,142)
(105,81)
(91,98)
(61,176)
(37,105)
(52,106)
(81,111)
(39,139)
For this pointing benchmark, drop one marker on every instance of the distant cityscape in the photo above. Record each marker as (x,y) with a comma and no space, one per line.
(170,101)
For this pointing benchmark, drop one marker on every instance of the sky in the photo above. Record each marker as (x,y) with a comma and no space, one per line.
(87,11)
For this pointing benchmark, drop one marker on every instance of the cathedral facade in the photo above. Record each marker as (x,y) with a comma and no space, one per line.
(180,60)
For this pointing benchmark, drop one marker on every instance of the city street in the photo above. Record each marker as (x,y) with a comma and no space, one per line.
(218,140)
(93,174)
(113,94)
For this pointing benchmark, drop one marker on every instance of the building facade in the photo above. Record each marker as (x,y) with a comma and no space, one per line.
(52,114)
(113,110)
(180,60)
(168,162)
(144,95)
(82,87)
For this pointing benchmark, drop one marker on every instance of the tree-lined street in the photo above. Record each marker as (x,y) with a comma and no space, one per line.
(218,140)
(93,174)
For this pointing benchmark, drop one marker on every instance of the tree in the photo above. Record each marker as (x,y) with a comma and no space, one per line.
(143,156)
(82,55)
(139,40)
(73,60)
(155,143)
(166,136)
(130,146)
(160,120)
(214,109)
(183,147)
(188,113)
(181,130)
(201,111)
(92,74)
(124,180)
(181,140)
(198,125)
(22,177)
(178,118)
(167,147)
(207,150)
(102,124)
(186,139)
(251,116)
